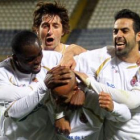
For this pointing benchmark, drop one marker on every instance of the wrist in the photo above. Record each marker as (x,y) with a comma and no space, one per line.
(59,115)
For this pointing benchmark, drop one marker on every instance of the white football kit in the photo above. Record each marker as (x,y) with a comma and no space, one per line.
(122,80)
(26,116)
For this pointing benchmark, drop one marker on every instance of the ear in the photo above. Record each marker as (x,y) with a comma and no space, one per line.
(138,37)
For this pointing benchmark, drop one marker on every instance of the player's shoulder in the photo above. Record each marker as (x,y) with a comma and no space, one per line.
(106,51)
(6,62)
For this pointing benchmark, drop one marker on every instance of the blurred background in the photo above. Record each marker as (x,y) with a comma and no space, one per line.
(91,21)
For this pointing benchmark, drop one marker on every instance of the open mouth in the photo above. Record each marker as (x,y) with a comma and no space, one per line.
(37,67)
(120,43)
(49,39)
(120,46)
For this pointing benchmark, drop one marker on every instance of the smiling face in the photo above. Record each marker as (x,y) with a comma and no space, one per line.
(124,36)
(50,32)
(29,61)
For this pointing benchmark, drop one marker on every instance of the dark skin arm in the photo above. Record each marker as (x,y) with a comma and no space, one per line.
(57,76)
(62,126)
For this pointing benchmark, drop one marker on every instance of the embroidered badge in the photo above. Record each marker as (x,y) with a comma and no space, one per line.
(133,81)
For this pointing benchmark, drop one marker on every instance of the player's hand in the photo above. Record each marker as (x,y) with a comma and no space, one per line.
(57,76)
(105,101)
(81,76)
(77,99)
(68,61)
(62,126)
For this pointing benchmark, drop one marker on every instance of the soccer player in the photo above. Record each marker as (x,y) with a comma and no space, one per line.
(118,69)
(51,23)
(24,110)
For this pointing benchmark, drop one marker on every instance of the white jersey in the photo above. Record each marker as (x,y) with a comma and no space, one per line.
(26,117)
(122,80)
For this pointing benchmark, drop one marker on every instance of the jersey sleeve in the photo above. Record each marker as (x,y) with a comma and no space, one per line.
(10,92)
(120,113)
(25,105)
(130,98)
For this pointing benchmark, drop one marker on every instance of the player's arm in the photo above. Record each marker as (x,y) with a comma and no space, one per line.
(25,105)
(12,92)
(71,51)
(116,112)
(130,98)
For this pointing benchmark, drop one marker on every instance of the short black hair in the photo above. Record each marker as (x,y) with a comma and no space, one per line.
(22,39)
(126,13)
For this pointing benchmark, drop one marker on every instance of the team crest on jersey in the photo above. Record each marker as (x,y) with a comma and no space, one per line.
(133,81)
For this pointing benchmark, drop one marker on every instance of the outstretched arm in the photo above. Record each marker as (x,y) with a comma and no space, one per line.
(130,98)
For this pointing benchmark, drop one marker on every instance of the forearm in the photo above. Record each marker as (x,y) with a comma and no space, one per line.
(74,50)
(25,105)
(130,98)
(68,56)
(12,92)
(120,113)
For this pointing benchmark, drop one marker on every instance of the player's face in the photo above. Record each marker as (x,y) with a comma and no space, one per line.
(30,60)
(124,36)
(50,32)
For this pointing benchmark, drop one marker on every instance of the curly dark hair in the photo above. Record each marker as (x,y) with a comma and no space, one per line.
(53,9)
(126,13)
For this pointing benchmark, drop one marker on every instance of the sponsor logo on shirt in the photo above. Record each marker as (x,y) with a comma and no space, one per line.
(110,85)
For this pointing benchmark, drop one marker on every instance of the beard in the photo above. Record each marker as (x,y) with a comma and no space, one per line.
(126,50)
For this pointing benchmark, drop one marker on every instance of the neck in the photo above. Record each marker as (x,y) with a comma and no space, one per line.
(59,48)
